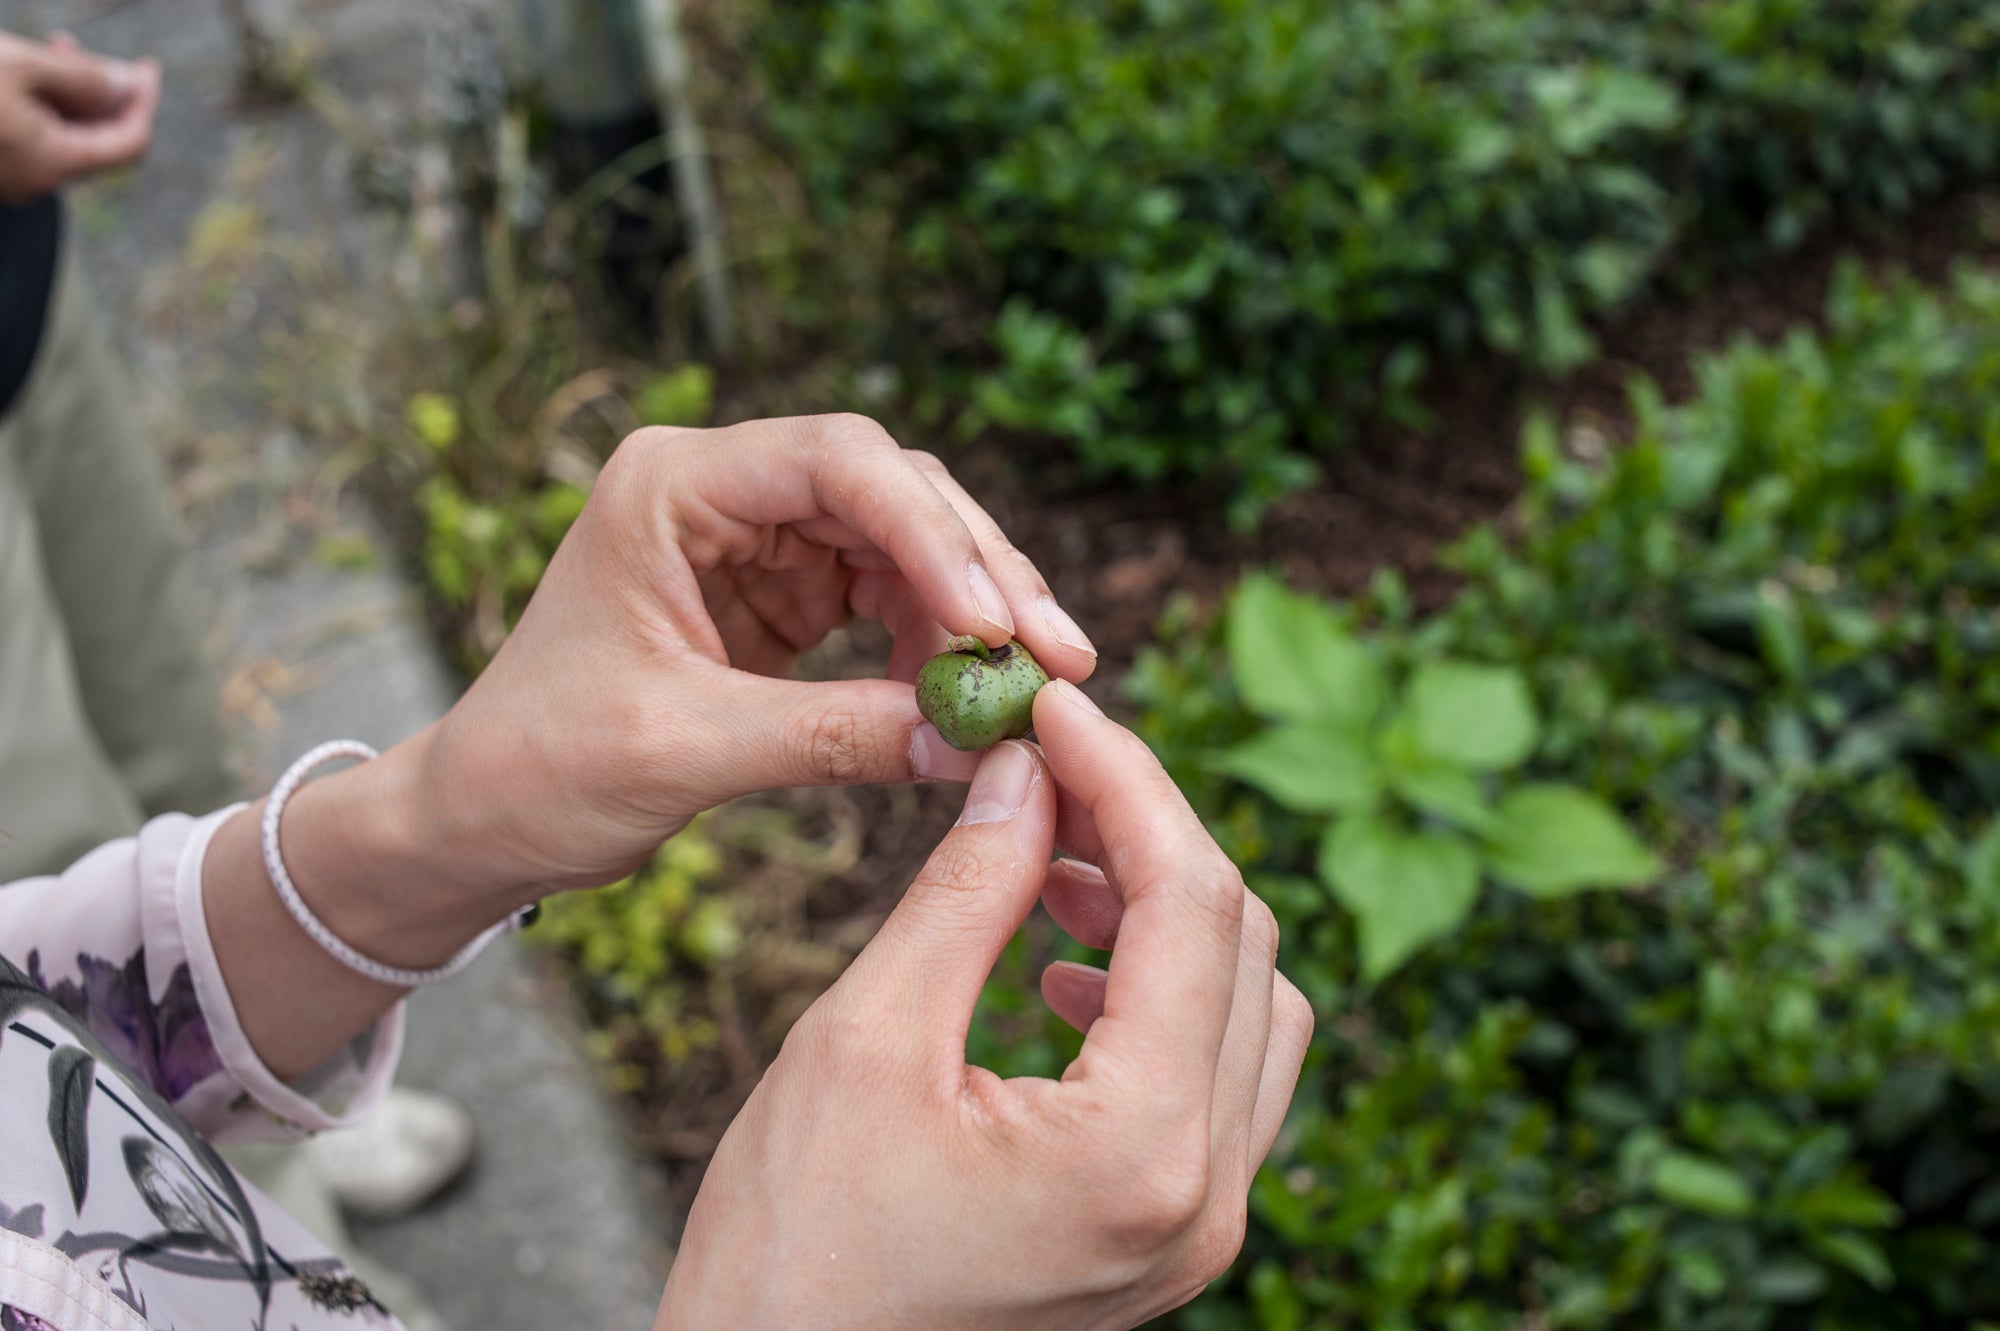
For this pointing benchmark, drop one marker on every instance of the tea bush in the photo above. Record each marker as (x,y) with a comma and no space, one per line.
(1196,238)
(500,467)
(1409,777)
(636,950)
(1761,1091)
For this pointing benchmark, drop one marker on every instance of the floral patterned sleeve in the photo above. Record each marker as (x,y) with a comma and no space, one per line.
(119,941)
(120,1058)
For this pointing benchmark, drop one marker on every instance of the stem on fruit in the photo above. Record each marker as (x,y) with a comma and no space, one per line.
(971,646)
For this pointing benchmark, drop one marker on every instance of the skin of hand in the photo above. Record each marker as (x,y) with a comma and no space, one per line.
(876,1180)
(66,114)
(647,680)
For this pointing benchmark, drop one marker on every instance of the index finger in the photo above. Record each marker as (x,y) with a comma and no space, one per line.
(848,468)
(1173,970)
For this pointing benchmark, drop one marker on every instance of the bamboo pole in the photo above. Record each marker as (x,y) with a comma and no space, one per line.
(694,186)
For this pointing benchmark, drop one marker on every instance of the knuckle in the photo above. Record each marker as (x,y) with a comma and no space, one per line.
(1164,1198)
(1291,1011)
(635,470)
(952,868)
(1216,891)
(1018,561)
(1218,1237)
(647,440)
(840,748)
(844,430)
(1173,1199)
(1213,894)
(1260,928)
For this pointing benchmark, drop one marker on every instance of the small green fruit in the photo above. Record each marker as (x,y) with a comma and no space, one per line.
(977,696)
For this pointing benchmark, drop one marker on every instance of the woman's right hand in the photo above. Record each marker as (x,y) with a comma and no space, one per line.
(874,1179)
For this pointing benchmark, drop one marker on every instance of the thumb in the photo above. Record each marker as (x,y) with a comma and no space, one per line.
(939,945)
(852,732)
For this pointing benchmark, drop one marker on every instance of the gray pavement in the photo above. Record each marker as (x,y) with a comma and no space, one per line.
(556,1225)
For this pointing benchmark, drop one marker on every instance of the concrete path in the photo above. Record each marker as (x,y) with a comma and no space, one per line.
(200,258)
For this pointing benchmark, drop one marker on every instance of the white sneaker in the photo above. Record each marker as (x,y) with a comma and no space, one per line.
(405,1152)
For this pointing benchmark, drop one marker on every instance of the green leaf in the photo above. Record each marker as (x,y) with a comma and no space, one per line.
(1982,865)
(1906,1098)
(434,419)
(1697,1183)
(1636,100)
(1293,658)
(1404,889)
(684,395)
(1846,1201)
(1448,792)
(1472,716)
(1701,1271)
(1276,1298)
(1311,767)
(711,933)
(1863,1256)
(1788,1279)
(1552,840)
(1781,635)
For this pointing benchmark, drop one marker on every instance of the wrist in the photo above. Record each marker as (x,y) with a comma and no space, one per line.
(373,860)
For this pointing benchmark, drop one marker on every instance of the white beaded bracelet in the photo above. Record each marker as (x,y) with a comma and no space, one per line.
(315,928)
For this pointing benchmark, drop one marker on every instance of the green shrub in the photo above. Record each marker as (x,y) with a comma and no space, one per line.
(1765,1091)
(499,449)
(1409,777)
(637,952)
(1200,237)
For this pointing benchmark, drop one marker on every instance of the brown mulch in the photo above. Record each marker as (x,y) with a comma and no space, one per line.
(1113,555)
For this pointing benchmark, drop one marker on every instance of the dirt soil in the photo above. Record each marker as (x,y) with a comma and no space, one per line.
(1399,496)
(1112,556)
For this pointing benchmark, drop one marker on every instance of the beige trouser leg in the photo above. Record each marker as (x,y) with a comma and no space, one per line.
(107,709)
(112,568)
(60,793)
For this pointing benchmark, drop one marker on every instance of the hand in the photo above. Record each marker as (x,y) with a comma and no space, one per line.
(66,114)
(642,685)
(875,1180)
(646,681)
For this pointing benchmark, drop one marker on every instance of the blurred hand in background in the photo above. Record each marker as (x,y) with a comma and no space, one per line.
(66,113)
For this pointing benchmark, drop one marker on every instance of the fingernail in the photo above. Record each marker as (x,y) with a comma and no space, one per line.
(1080,868)
(122,76)
(1075,696)
(931,759)
(992,605)
(1001,788)
(1064,628)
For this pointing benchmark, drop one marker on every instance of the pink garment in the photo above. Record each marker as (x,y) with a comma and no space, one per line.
(121,1057)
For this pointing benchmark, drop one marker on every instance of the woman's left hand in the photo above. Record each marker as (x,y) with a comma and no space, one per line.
(644,683)
(648,679)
